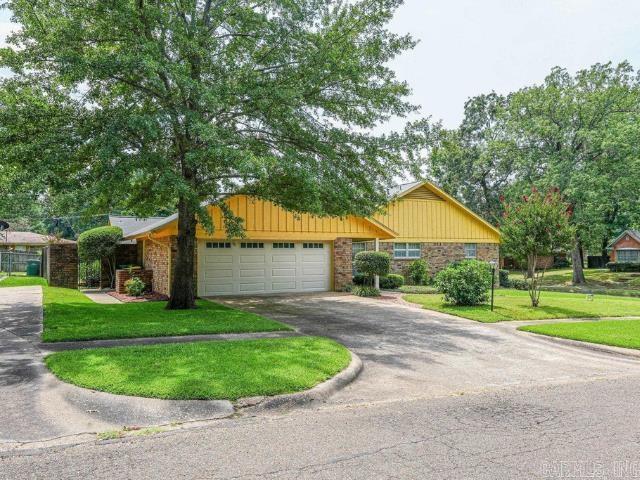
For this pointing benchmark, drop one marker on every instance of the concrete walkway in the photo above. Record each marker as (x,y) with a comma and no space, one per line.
(100,296)
(37,407)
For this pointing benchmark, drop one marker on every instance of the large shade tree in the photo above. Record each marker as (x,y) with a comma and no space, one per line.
(184,102)
(571,132)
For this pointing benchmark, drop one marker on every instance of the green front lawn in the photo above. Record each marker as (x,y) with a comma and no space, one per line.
(516,305)
(599,280)
(21,281)
(619,333)
(70,315)
(204,370)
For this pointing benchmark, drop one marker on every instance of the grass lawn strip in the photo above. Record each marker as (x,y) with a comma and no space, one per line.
(13,281)
(599,280)
(617,333)
(515,305)
(69,315)
(204,370)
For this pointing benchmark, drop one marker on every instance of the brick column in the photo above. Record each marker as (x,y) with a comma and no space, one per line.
(62,265)
(342,263)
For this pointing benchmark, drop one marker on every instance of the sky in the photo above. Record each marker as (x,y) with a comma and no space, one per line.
(469,47)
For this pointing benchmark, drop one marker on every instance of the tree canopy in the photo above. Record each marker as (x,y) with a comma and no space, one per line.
(148,103)
(575,132)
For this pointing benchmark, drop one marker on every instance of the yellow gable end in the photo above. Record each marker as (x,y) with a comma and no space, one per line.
(428,215)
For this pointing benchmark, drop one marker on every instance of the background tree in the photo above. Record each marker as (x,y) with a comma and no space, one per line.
(538,225)
(157,103)
(472,162)
(563,131)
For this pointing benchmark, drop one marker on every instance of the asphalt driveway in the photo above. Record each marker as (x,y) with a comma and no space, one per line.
(410,353)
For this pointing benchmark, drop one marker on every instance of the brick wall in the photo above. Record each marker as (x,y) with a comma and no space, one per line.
(156,258)
(439,254)
(126,254)
(62,265)
(123,275)
(342,263)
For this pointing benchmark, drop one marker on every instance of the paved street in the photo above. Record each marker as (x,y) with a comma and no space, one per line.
(520,433)
(439,397)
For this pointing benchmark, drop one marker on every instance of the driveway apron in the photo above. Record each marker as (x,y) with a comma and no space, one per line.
(409,352)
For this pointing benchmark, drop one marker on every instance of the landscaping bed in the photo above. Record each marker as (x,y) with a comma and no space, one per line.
(204,370)
(69,315)
(516,305)
(617,333)
(147,297)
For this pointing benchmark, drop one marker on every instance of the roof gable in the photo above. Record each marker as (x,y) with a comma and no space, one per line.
(635,234)
(409,191)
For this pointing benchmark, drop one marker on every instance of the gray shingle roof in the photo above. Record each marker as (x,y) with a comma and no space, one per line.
(131,224)
(29,238)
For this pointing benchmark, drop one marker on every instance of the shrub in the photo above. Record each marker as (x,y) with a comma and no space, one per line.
(391,281)
(100,244)
(418,271)
(504,278)
(359,279)
(134,287)
(365,291)
(623,266)
(518,284)
(465,283)
(370,264)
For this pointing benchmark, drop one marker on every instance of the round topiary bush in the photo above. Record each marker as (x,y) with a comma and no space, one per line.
(100,244)
(465,283)
(371,264)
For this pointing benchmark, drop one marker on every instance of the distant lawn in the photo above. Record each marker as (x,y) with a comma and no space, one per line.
(417,289)
(515,305)
(619,333)
(599,280)
(204,370)
(21,281)
(70,315)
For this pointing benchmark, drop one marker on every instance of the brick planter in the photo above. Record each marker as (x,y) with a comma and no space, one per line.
(123,275)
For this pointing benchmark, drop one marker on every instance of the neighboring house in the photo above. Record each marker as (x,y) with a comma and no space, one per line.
(626,247)
(28,242)
(288,252)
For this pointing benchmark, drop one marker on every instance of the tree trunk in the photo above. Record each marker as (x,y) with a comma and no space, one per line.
(182,283)
(576,257)
(604,252)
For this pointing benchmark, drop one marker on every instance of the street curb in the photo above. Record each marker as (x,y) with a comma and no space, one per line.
(320,392)
(594,347)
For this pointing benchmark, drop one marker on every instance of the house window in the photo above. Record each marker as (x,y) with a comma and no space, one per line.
(470,250)
(406,250)
(313,245)
(283,245)
(251,245)
(628,256)
(218,245)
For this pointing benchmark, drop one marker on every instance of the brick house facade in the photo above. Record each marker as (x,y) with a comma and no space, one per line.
(287,252)
(438,255)
(626,247)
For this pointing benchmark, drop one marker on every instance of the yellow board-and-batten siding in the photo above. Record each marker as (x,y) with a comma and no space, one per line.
(428,215)
(423,214)
(265,221)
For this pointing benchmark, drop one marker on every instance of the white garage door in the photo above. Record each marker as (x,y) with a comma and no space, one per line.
(244,268)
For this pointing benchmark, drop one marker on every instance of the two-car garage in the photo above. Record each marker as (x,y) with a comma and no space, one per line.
(256,266)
